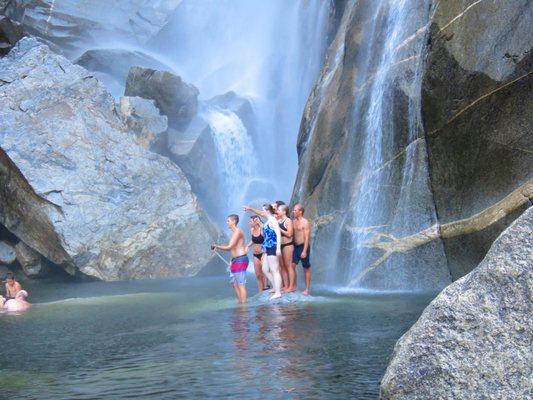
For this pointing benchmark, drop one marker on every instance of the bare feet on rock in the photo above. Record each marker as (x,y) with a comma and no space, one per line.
(306,292)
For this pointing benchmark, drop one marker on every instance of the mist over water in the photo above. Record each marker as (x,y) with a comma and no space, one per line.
(269,52)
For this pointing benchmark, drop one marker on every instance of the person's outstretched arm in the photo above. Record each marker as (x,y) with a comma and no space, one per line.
(261,213)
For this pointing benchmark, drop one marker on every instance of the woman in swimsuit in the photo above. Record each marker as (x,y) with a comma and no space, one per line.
(256,230)
(287,246)
(271,246)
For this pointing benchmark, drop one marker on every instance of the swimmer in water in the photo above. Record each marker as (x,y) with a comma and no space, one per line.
(19,303)
(271,246)
(12,286)
(239,261)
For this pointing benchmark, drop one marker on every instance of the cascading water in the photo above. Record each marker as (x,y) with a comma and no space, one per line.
(381,179)
(267,52)
(233,146)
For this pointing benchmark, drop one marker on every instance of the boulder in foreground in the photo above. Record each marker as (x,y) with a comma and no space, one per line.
(474,340)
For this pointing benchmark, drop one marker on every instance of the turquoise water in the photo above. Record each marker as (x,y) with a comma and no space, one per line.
(187,339)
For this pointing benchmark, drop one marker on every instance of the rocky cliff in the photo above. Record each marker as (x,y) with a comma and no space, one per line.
(474,340)
(453,137)
(78,189)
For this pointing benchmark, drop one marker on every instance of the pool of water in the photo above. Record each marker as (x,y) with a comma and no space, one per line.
(188,339)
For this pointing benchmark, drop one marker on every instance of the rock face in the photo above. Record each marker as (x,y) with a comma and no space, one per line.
(31,262)
(111,66)
(7,253)
(474,340)
(77,189)
(362,156)
(460,135)
(477,102)
(175,98)
(74,24)
(143,118)
(10,34)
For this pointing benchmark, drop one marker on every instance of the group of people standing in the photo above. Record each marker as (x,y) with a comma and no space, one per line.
(278,244)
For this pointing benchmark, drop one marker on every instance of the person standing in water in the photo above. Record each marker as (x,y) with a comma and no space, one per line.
(12,286)
(283,268)
(239,261)
(271,246)
(287,245)
(302,238)
(256,231)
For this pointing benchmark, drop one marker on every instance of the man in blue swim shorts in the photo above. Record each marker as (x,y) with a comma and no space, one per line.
(302,247)
(239,262)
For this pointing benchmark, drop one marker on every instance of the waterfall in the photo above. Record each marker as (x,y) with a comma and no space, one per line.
(382,202)
(233,145)
(379,158)
(269,52)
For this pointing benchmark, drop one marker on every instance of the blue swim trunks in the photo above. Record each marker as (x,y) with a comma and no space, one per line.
(237,278)
(297,256)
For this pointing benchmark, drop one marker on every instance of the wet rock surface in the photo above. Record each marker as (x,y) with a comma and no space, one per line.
(7,253)
(31,262)
(77,189)
(10,33)
(474,340)
(476,101)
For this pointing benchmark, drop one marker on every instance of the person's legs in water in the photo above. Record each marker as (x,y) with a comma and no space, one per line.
(266,270)
(238,281)
(307,275)
(259,272)
(284,273)
(286,252)
(274,268)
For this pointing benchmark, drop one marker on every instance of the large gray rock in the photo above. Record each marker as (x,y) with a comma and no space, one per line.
(143,118)
(474,340)
(32,263)
(7,253)
(176,99)
(477,102)
(111,66)
(77,189)
(75,24)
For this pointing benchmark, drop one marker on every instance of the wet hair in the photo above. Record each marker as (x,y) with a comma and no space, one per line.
(234,217)
(280,203)
(300,207)
(269,208)
(10,275)
(284,208)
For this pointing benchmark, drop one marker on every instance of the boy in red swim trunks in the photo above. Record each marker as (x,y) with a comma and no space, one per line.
(239,261)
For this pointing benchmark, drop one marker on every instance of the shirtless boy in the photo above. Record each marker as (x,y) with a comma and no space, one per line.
(239,261)
(12,286)
(302,236)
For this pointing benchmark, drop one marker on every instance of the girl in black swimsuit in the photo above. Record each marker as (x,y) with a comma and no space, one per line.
(287,246)
(256,231)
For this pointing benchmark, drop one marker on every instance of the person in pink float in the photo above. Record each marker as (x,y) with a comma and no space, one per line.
(19,303)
